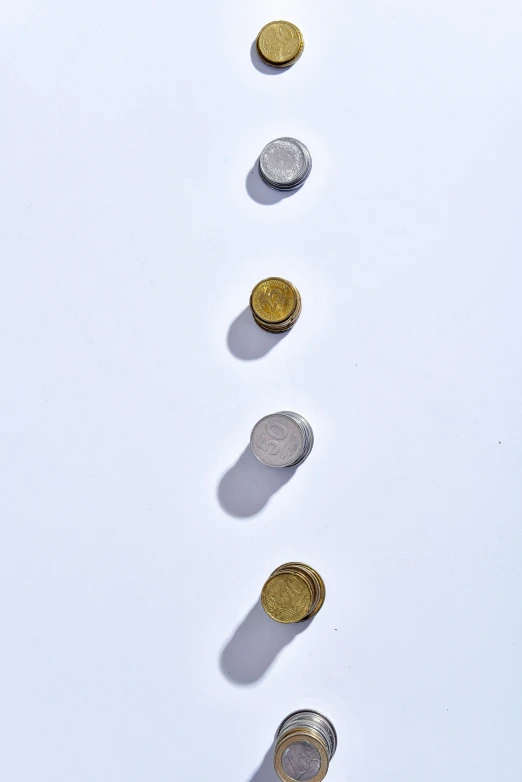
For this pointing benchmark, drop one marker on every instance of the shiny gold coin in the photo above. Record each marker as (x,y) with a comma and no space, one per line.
(273,300)
(286,597)
(280,44)
(277,328)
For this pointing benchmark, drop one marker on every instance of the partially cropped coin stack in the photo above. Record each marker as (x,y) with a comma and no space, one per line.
(305,741)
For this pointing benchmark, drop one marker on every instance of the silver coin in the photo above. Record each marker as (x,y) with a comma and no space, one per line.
(294,185)
(308,435)
(301,761)
(277,440)
(285,163)
(306,438)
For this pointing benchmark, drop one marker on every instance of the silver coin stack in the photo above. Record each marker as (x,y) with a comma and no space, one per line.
(282,439)
(305,743)
(285,163)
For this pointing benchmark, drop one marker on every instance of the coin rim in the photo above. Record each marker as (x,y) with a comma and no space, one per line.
(308,436)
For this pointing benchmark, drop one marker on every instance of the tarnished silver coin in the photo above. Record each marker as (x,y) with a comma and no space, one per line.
(285,163)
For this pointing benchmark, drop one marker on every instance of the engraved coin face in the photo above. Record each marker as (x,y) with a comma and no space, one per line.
(277,440)
(301,761)
(283,162)
(286,597)
(274,300)
(280,43)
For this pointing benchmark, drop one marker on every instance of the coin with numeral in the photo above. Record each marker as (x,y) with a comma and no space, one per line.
(293,592)
(282,439)
(275,304)
(280,44)
(286,597)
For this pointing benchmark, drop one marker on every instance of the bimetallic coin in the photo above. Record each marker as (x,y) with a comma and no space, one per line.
(305,743)
(280,44)
(301,761)
(285,163)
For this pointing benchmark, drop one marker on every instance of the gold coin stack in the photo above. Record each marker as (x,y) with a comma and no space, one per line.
(294,592)
(275,304)
(280,44)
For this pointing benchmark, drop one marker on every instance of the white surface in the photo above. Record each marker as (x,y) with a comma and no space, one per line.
(129,246)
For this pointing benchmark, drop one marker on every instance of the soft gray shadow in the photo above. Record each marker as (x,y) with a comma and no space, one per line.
(260,192)
(266,771)
(255,645)
(246,340)
(260,65)
(246,487)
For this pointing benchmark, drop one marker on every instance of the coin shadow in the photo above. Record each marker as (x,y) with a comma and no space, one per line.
(246,487)
(246,340)
(266,771)
(256,643)
(262,66)
(260,192)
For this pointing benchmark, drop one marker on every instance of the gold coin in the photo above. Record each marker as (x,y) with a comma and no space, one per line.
(277,328)
(320,588)
(286,597)
(280,44)
(285,325)
(274,300)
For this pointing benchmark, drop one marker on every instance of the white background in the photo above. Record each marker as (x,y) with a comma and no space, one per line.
(136,531)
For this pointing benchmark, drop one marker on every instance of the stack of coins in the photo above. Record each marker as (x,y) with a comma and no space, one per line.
(305,743)
(275,304)
(294,592)
(282,439)
(285,163)
(280,44)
